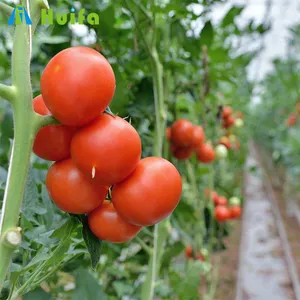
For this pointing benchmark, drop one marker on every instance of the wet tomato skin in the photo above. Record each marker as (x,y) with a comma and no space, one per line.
(52,142)
(110,146)
(71,191)
(107,225)
(182,132)
(149,194)
(77,84)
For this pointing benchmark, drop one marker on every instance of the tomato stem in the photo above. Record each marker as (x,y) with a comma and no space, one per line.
(26,124)
(6,9)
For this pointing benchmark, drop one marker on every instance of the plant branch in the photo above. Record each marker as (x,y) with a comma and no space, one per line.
(6,9)
(142,9)
(24,134)
(7,92)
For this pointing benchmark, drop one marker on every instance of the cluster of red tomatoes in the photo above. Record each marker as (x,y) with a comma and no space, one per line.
(98,155)
(231,118)
(186,139)
(191,254)
(224,210)
(293,116)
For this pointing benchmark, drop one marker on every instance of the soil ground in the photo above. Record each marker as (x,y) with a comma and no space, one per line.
(228,270)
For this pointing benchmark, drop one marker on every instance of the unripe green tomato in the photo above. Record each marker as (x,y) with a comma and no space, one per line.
(204,252)
(235,201)
(239,123)
(221,152)
(232,138)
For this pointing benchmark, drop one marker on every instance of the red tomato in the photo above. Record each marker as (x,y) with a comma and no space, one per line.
(182,153)
(235,212)
(39,106)
(77,85)
(215,198)
(51,142)
(71,191)
(298,107)
(108,149)
(188,251)
(292,120)
(205,153)
(224,140)
(150,193)
(227,111)
(228,122)
(107,225)
(199,256)
(240,115)
(198,136)
(221,213)
(182,132)
(222,201)
(168,133)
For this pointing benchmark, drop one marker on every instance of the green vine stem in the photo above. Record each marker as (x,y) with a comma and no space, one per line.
(26,124)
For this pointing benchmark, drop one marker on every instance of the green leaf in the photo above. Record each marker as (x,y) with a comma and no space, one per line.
(31,207)
(170,253)
(92,242)
(37,294)
(87,287)
(207,35)
(231,15)
(123,289)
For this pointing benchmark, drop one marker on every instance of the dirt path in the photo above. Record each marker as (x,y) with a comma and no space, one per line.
(263,270)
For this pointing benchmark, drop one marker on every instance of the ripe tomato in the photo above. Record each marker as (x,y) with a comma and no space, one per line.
(189,251)
(77,84)
(205,153)
(168,133)
(235,211)
(224,140)
(150,193)
(227,111)
(215,198)
(182,132)
(39,106)
(292,120)
(199,256)
(228,122)
(198,136)
(222,201)
(221,213)
(240,115)
(71,191)
(107,225)
(51,142)
(181,153)
(108,149)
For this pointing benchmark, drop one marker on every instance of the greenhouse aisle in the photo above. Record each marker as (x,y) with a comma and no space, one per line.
(263,271)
